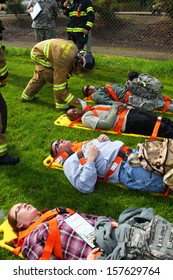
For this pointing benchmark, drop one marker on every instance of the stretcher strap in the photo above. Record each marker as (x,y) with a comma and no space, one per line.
(112,93)
(156,128)
(118,126)
(126,97)
(167,99)
(88,98)
(53,242)
(116,162)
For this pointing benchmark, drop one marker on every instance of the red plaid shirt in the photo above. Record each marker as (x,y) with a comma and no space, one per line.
(73,246)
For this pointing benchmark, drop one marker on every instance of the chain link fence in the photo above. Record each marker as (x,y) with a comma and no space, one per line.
(133,28)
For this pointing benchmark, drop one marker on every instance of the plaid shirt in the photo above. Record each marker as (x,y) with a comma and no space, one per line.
(73,246)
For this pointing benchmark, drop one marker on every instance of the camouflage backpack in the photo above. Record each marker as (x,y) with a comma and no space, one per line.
(140,235)
(143,85)
(151,240)
(155,156)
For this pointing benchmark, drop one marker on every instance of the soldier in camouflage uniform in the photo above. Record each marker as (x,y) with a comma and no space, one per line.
(5,159)
(103,95)
(45,23)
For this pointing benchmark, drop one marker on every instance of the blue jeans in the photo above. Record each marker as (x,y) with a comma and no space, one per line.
(137,178)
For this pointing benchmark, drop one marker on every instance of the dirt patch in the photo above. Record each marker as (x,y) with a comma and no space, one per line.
(142,36)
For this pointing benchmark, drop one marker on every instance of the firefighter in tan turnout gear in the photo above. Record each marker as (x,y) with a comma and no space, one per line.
(55,60)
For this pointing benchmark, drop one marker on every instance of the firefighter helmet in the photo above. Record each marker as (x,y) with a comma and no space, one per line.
(85,60)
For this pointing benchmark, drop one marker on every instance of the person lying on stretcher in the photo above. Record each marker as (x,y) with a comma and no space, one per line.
(121,118)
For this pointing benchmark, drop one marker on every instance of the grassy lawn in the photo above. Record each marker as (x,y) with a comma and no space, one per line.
(31,129)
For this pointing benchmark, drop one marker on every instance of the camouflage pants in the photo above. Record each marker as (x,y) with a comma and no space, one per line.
(3,125)
(149,104)
(44,34)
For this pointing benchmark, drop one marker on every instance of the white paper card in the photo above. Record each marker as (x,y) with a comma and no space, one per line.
(83,103)
(36,11)
(81,227)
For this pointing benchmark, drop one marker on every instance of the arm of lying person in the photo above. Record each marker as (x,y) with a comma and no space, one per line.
(103,138)
(109,121)
(98,253)
(79,174)
(101,97)
(93,254)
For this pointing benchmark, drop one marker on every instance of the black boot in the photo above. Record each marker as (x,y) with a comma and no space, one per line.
(9,160)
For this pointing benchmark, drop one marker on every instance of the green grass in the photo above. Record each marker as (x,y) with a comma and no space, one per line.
(31,129)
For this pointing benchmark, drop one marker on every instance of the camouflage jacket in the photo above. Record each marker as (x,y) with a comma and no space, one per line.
(140,235)
(149,102)
(102,96)
(47,17)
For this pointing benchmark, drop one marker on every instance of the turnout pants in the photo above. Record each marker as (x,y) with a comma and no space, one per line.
(39,79)
(78,38)
(3,125)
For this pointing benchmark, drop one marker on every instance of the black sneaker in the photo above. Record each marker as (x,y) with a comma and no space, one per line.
(9,160)
(71,107)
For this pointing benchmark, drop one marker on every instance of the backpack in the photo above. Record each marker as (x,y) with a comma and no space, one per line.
(152,239)
(140,235)
(155,156)
(144,85)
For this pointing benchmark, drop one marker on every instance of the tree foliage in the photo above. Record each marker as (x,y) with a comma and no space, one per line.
(167,6)
(106,10)
(15,7)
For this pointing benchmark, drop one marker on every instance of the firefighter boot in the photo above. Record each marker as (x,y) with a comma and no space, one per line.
(9,160)
(29,99)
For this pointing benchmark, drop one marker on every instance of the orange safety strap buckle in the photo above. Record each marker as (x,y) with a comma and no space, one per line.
(156,128)
(81,157)
(116,162)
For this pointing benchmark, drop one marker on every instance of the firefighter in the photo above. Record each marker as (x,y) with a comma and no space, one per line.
(55,61)
(5,159)
(81,14)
